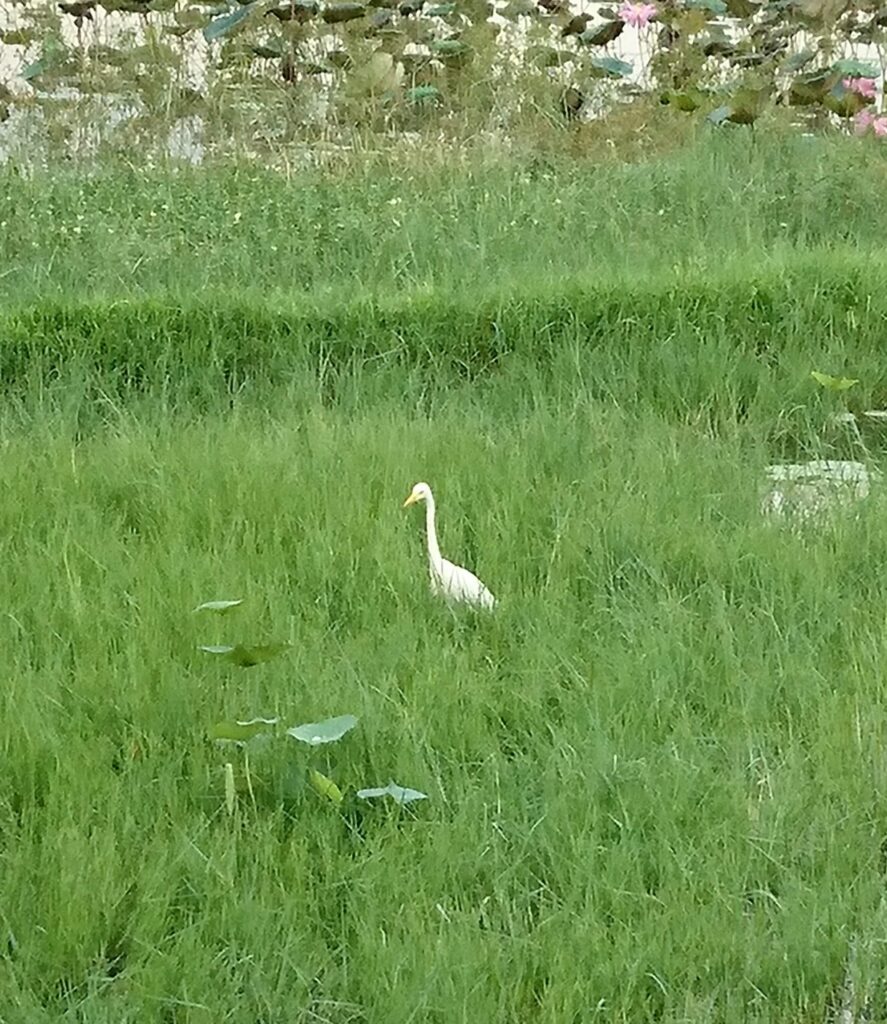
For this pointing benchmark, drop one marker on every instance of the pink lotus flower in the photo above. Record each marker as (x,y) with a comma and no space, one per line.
(637,15)
(865,87)
(863,121)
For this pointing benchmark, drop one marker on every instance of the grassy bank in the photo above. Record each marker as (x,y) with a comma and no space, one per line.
(656,777)
(727,348)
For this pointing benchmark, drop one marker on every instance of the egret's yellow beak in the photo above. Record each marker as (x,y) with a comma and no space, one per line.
(411,500)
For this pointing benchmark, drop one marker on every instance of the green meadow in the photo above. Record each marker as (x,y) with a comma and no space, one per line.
(655,775)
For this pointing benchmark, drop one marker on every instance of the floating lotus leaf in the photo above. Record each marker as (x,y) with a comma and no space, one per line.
(271,50)
(518,9)
(712,6)
(843,101)
(742,8)
(413,62)
(79,10)
(341,59)
(218,28)
(611,67)
(449,47)
(810,88)
(299,11)
(717,45)
(345,10)
(18,37)
(381,17)
(601,35)
(127,6)
(422,95)
(855,69)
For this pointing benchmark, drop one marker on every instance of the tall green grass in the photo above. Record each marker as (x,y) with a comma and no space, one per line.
(382,228)
(656,774)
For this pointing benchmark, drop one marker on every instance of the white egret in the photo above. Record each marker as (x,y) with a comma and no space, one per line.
(451,581)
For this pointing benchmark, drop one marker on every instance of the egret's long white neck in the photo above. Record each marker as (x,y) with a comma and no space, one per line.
(433,547)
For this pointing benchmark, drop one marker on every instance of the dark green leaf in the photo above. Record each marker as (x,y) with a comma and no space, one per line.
(688,100)
(449,47)
(843,102)
(808,89)
(334,14)
(714,6)
(742,8)
(269,51)
(18,37)
(601,35)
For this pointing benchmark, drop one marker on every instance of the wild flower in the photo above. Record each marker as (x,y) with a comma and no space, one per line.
(864,87)
(637,15)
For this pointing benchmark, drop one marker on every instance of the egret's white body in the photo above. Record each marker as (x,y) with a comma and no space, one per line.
(449,580)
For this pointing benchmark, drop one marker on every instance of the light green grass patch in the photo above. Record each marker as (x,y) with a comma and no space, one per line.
(654,777)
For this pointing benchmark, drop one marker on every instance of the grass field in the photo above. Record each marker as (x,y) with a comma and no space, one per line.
(656,775)
(517,223)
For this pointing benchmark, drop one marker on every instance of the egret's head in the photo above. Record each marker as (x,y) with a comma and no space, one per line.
(419,493)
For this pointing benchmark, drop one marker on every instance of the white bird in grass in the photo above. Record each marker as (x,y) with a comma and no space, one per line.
(452,581)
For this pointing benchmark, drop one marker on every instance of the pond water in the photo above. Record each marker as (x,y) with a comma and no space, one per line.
(24,132)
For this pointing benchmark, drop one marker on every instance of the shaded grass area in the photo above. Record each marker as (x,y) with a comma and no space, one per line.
(721,348)
(381,227)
